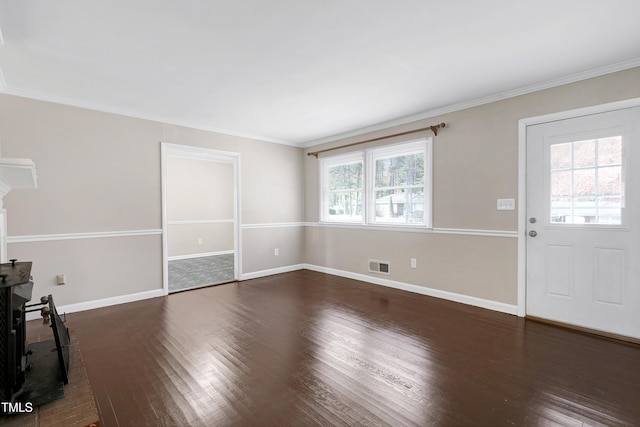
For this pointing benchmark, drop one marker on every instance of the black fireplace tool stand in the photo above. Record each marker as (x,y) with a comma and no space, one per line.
(48,367)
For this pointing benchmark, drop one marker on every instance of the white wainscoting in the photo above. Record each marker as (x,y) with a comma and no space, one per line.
(465,299)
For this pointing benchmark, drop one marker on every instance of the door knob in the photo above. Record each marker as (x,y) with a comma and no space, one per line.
(533,233)
(533,220)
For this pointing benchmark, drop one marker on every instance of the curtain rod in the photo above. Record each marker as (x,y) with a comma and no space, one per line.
(433,129)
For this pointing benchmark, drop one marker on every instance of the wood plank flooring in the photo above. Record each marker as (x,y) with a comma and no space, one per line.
(305,348)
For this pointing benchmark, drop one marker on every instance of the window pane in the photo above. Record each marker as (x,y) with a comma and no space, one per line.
(345,177)
(609,180)
(584,210)
(400,206)
(560,156)
(584,153)
(610,210)
(561,208)
(610,151)
(400,170)
(561,183)
(345,206)
(587,188)
(584,182)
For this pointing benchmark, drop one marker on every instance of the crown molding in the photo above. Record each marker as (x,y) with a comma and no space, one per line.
(72,102)
(572,78)
(560,81)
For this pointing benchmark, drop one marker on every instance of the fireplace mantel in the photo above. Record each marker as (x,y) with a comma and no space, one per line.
(14,174)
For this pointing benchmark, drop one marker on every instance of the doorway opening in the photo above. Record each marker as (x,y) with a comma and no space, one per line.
(200,216)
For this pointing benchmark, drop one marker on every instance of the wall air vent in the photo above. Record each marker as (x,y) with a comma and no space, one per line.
(376,266)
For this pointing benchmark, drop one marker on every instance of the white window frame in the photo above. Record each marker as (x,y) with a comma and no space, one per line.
(325,164)
(368,158)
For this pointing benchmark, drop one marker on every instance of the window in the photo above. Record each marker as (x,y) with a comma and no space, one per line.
(587,185)
(390,185)
(343,188)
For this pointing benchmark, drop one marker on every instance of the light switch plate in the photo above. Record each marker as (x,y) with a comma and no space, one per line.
(506,204)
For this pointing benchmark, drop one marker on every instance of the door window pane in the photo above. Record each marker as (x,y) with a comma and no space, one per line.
(609,210)
(561,183)
(560,156)
(586,182)
(584,154)
(610,180)
(610,151)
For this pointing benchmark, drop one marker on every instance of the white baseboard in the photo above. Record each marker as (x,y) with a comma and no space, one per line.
(199,255)
(106,302)
(271,271)
(451,296)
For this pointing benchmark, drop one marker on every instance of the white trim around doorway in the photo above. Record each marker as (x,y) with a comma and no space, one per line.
(200,153)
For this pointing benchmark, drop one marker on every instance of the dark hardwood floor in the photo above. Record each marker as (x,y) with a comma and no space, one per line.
(306,348)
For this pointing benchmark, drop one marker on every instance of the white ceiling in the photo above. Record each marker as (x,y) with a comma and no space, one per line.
(304,71)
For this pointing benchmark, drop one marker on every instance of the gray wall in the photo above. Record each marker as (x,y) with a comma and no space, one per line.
(100,172)
(199,190)
(475,163)
(271,186)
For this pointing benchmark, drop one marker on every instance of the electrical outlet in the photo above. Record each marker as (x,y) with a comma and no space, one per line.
(61,279)
(276,251)
(200,241)
(414,263)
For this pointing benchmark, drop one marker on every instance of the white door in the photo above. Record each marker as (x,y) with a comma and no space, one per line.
(583,207)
